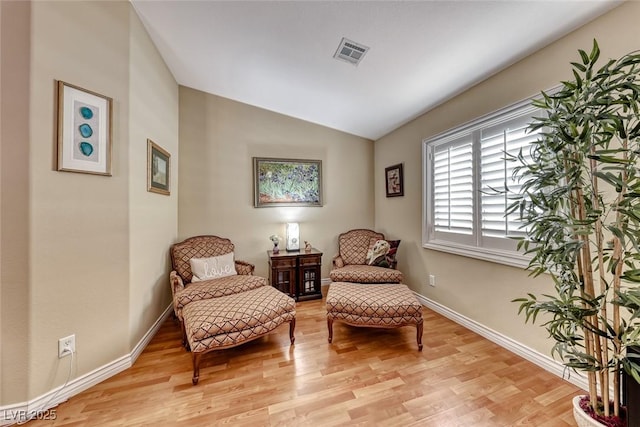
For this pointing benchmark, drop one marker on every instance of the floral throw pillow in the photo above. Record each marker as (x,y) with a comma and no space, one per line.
(382,253)
(391,255)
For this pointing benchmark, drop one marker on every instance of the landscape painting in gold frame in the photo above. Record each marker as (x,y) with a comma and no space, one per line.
(287,182)
(158,168)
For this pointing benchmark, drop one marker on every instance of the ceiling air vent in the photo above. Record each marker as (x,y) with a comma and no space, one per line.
(350,51)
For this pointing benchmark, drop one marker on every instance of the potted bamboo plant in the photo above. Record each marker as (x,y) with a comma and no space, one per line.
(580,206)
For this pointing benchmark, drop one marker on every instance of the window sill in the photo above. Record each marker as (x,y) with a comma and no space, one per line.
(513,259)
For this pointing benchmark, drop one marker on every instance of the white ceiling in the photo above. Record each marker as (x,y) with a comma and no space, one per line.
(279,55)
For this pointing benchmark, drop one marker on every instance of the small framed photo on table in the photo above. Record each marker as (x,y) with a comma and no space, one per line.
(394,180)
(158,168)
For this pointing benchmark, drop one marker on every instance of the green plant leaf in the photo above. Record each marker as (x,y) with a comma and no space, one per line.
(579,66)
(584,56)
(595,53)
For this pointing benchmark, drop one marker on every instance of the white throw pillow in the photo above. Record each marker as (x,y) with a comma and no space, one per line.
(212,268)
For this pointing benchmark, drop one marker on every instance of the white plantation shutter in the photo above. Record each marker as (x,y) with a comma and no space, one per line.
(497,144)
(470,182)
(453,187)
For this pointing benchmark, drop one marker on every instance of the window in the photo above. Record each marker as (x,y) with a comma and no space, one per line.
(467,173)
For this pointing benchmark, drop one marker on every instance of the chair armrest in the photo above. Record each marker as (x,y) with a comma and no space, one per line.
(245,268)
(175,281)
(338,262)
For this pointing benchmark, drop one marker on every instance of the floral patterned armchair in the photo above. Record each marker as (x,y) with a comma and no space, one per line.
(355,263)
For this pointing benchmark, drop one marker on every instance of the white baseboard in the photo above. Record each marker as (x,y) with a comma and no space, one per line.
(41,406)
(545,362)
(144,341)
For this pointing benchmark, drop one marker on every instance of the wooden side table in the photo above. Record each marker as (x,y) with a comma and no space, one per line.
(296,273)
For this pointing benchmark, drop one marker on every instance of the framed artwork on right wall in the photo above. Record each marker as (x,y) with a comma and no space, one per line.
(394,180)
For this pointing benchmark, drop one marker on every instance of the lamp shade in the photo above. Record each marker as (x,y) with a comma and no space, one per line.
(293,236)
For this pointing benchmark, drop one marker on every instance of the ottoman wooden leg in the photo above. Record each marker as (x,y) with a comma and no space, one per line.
(292,328)
(419,327)
(185,342)
(330,327)
(196,367)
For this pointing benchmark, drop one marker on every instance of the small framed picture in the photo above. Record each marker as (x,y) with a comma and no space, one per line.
(394,180)
(158,168)
(84,130)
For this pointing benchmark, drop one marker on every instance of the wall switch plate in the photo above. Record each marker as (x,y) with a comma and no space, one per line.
(66,346)
(432,280)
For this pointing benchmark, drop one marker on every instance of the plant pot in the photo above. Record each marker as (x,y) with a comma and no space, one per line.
(631,390)
(582,418)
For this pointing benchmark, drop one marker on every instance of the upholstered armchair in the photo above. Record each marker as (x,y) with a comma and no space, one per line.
(218,276)
(218,300)
(355,263)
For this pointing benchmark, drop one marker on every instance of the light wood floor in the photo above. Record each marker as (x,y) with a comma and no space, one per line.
(367,377)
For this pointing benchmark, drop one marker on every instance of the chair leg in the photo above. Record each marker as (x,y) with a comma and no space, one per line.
(292,328)
(419,328)
(185,341)
(196,367)
(330,327)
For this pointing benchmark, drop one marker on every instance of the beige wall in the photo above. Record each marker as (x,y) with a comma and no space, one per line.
(481,290)
(79,258)
(153,218)
(219,137)
(14,199)
(95,246)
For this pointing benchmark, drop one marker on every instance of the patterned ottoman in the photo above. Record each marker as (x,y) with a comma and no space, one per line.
(228,321)
(373,305)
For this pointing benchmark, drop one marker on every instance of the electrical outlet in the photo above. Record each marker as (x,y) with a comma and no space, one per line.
(66,346)
(432,280)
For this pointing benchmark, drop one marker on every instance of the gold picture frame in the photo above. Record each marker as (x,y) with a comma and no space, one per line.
(158,169)
(287,182)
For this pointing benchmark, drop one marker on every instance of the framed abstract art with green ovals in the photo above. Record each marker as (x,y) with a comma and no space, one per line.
(84,130)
